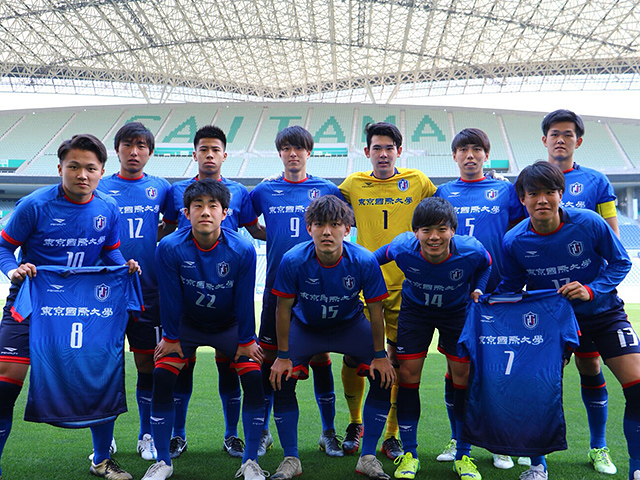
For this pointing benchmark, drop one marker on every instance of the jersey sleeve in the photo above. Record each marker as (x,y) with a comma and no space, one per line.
(428,188)
(247,213)
(516,209)
(345,188)
(243,298)
(618,262)
(374,288)
(256,200)
(112,240)
(168,274)
(514,275)
(285,285)
(383,254)
(171,210)
(166,192)
(483,271)
(465,341)
(15,233)
(135,303)
(335,190)
(21,307)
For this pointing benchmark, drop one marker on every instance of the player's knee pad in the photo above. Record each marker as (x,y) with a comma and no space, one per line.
(632,397)
(164,382)
(145,381)
(9,392)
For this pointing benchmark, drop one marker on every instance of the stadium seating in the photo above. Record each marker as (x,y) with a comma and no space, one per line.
(525,136)
(332,124)
(487,122)
(598,150)
(239,122)
(627,136)
(275,120)
(427,132)
(185,120)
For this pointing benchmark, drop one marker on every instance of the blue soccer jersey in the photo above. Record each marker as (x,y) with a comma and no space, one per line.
(53,230)
(210,290)
(485,208)
(438,287)
(283,204)
(586,188)
(140,202)
(77,325)
(329,296)
(239,214)
(515,344)
(582,249)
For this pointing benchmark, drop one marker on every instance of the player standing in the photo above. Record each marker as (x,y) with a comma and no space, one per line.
(69,224)
(383,201)
(325,276)
(575,252)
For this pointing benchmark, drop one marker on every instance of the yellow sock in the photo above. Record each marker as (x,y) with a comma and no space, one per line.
(392,418)
(353,385)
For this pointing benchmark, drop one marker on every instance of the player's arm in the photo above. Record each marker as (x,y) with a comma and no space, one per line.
(165,228)
(257,230)
(481,276)
(382,255)
(514,276)
(282,363)
(171,302)
(244,307)
(12,237)
(380,362)
(613,223)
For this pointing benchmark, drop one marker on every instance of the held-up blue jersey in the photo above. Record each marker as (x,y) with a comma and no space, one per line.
(210,290)
(53,230)
(76,340)
(439,287)
(485,208)
(329,296)
(582,249)
(239,214)
(283,205)
(586,188)
(515,345)
(140,202)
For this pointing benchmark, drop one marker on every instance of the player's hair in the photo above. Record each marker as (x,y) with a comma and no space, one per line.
(295,136)
(84,141)
(542,175)
(562,115)
(434,211)
(383,129)
(329,208)
(130,132)
(471,136)
(207,187)
(210,131)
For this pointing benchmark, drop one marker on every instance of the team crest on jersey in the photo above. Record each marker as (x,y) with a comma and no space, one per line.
(223,269)
(102,292)
(456,274)
(530,320)
(491,194)
(349,282)
(152,193)
(314,193)
(575,248)
(99,222)
(403,184)
(576,188)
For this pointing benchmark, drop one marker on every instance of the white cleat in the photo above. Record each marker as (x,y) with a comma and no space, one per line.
(289,467)
(449,452)
(503,462)
(250,470)
(158,471)
(535,472)
(524,461)
(146,448)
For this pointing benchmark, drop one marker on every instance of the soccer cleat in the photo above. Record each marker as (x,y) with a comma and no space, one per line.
(158,471)
(408,467)
(392,448)
(266,442)
(112,449)
(109,469)
(351,442)
(250,470)
(370,466)
(177,446)
(330,443)
(601,460)
(146,448)
(503,462)
(233,446)
(636,475)
(449,452)
(289,467)
(535,472)
(466,469)
(524,461)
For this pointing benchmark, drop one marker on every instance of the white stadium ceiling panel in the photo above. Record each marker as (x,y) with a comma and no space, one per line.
(274,49)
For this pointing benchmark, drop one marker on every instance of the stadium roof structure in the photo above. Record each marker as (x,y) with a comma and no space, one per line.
(331,50)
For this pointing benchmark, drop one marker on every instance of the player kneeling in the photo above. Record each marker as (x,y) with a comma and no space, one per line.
(206,276)
(325,276)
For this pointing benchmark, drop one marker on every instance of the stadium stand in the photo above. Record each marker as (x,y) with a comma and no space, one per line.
(627,136)
(332,124)
(435,165)
(369,115)
(239,122)
(277,119)
(262,167)
(524,134)
(427,132)
(185,120)
(8,121)
(486,121)
(598,150)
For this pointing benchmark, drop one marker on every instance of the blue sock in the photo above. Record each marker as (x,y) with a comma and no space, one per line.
(286,413)
(144,390)
(376,409)
(252,413)
(463,448)
(449,393)
(163,410)
(595,398)
(181,397)
(268,391)
(9,391)
(102,436)
(539,461)
(631,425)
(229,388)
(325,395)
(408,416)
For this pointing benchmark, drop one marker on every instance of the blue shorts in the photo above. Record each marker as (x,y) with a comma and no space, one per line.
(353,338)
(144,330)
(225,341)
(609,334)
(417,326)
(14,334)
(268,338)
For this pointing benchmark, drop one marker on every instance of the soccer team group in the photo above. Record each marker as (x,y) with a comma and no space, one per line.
(423,254)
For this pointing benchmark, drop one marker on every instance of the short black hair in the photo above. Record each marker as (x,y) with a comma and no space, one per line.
(562,115)
(84,141)
(542,175)
(434,211)
(471,136)
(207,187)
(383,129)
(132,131)
(210,131)
(329,208)
(296,136)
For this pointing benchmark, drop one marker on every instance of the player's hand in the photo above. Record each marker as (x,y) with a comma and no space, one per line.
(165,348)
(278,369)
(575,291)
(22,272)
(253,351)
(386,370)
(475,296)
(133,267)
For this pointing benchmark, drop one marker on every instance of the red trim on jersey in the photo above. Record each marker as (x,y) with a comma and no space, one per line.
(590,291)
(16,316)
(432,263)
(320,364)
(453,358)
(170,340)
(6,236)
(570,170)
(130,179)
(111,247)
(586,354)
(169,368)
(278,293)
(411,356)
(10,359)
(473,181)
(410,385)
(290,181)
(78,203)
(328,266)
(630,384)
(14,381)
(250,223)
(208,250)
(246,344)
(545,234)
(246,367)
(268,346)
(378,298)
